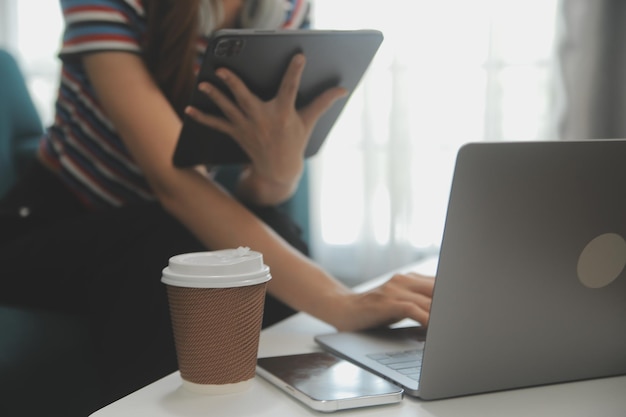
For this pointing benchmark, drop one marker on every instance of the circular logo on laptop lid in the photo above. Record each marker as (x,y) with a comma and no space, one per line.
(602,260)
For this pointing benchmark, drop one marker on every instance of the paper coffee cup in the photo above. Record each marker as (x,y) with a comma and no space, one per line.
(216,306)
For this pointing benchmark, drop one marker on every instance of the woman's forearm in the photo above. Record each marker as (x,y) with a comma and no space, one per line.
(220,222)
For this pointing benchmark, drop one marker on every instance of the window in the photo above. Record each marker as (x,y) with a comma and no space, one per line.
(448,72)
(34,38)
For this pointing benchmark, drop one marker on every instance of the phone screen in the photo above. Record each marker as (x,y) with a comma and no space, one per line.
(326,382)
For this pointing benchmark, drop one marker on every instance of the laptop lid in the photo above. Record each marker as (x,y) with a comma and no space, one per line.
(530,286)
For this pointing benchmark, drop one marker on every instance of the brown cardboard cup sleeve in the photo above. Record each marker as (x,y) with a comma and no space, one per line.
(216,305)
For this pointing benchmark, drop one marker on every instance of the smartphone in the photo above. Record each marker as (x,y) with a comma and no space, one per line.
(327,383)
(260,58)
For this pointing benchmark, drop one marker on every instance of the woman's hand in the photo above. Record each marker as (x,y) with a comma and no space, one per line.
(273,133)
(403,296)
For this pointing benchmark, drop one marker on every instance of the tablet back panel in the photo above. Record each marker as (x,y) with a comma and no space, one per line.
(260,58)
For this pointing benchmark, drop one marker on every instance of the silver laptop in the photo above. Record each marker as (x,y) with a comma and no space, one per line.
(530,285)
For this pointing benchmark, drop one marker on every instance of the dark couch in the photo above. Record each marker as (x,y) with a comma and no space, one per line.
(44,368)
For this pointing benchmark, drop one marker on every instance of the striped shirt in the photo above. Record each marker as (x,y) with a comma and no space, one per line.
(82,145)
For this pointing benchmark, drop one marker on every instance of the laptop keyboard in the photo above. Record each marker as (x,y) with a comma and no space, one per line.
(408,362)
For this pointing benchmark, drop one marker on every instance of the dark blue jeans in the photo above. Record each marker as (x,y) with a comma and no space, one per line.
(105,266)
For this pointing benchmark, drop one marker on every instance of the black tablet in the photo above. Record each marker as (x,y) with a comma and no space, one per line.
(260,58)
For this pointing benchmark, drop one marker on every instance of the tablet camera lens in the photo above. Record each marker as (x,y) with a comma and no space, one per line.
(228,47)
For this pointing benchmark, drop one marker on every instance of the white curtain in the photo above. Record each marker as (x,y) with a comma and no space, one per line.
(594,69)
(31,31)
(449,72)
(7,22)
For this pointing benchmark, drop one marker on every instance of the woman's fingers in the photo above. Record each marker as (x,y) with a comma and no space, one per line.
(290,84)
(314,110)
(419,283)
(411,292)
(247,106)
(245,100)
(214,122)
(403,296)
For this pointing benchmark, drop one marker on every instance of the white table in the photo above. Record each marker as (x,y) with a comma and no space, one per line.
(166,398)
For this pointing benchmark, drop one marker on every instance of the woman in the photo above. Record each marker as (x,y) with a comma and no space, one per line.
(104,208)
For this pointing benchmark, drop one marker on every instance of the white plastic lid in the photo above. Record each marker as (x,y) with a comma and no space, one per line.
(217,269)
